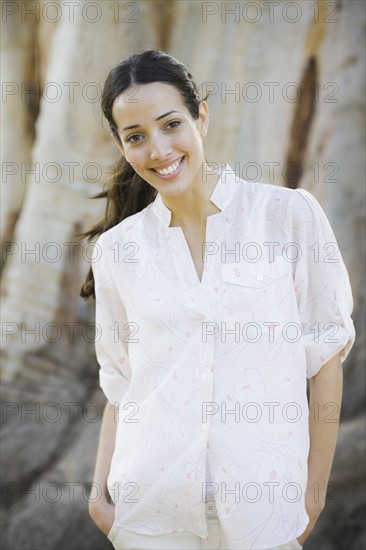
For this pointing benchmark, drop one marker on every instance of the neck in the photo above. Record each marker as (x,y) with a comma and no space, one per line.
(191,208)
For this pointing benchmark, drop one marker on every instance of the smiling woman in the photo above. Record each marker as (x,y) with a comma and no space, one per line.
(152,140)
(164,146)
(207,297)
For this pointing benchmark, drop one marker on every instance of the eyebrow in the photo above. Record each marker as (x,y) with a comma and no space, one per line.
(139,125)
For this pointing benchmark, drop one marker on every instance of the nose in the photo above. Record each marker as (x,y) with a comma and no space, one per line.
(160,147)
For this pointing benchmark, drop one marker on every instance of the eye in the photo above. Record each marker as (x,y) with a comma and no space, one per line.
(130,140)
(170,126)
(176,123)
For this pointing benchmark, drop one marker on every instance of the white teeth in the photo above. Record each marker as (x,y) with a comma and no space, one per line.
(169,170)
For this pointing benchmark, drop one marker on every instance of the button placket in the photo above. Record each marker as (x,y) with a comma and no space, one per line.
(206,362)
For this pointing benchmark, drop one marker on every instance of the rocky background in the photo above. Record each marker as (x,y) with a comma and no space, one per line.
(287,107)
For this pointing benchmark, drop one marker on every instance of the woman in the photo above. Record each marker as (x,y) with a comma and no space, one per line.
(216,299)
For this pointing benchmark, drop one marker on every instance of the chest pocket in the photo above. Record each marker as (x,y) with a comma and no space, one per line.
(259,275)
(261,291)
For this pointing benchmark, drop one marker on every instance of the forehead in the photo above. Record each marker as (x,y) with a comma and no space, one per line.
(141,100)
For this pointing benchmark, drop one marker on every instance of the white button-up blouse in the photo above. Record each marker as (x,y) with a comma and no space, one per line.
(212,373)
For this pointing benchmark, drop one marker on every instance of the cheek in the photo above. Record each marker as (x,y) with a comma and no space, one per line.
(137,158)
(189,141)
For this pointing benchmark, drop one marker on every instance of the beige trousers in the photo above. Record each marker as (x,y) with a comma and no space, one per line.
(128,540)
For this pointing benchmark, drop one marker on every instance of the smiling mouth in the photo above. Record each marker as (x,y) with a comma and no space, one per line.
(172,169)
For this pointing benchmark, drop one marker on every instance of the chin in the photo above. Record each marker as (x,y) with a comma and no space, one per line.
(172,188)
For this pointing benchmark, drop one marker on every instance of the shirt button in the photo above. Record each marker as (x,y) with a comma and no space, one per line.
(211,508)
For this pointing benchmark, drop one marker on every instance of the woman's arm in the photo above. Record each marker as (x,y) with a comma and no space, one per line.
(326,389)
(100,508)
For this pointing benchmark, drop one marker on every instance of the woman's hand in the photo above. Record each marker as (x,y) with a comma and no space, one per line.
(102,513)
(313,509)
(325,388)
(101,507)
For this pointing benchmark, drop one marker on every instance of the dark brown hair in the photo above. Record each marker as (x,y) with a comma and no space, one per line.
(126,192)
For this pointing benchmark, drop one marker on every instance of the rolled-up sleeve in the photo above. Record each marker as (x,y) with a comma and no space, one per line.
(111,347)
(323,290)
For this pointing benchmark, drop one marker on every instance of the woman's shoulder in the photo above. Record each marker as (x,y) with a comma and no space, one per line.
(267,193)
(295,198)
(124,229)
(119,240)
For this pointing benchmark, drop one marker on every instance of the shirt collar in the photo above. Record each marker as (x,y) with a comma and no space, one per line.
(221,195)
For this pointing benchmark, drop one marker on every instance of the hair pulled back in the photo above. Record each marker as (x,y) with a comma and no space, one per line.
(126,192)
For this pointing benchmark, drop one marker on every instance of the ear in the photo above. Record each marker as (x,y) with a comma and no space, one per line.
(203,118)
(119,145)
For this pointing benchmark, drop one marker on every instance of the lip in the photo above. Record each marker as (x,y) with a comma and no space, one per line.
(174,174)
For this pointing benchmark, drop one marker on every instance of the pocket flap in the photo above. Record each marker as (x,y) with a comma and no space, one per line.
(255,275)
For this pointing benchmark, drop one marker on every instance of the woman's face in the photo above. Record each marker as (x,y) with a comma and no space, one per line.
(164,136)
